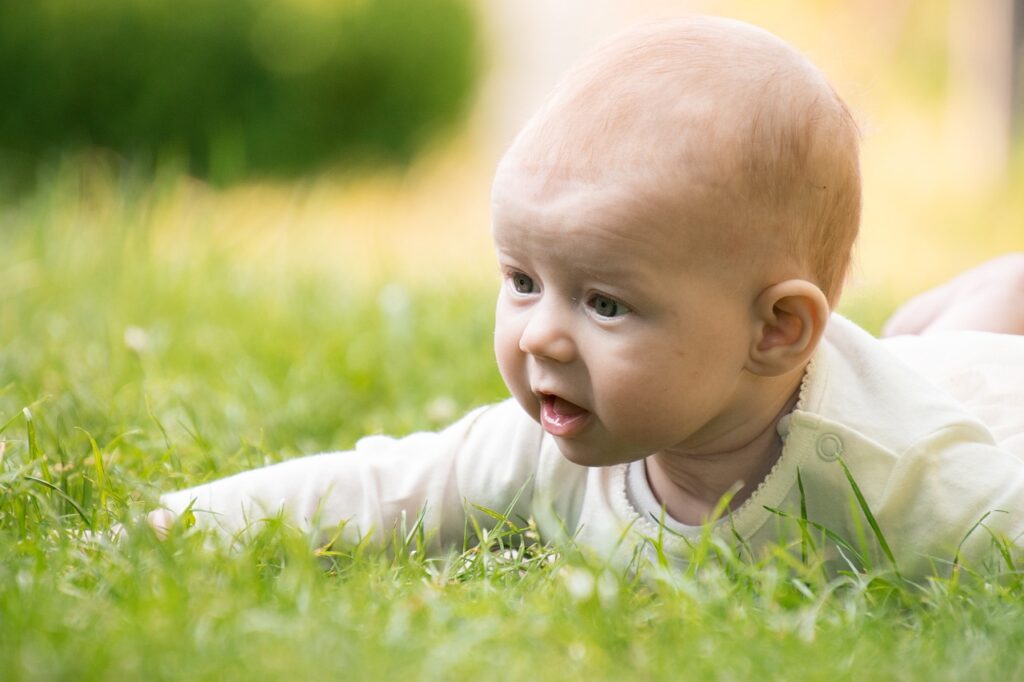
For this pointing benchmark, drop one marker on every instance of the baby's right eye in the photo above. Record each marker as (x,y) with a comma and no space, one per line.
(522,283)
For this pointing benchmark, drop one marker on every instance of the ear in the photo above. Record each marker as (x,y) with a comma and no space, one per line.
(789,319)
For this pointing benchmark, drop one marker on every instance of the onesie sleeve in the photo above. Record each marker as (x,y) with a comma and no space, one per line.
(487,458)
(952,494)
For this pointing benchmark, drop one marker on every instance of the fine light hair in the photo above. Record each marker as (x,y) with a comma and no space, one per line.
(724,110)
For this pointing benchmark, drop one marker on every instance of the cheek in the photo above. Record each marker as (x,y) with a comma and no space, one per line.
(640,394)
(506,349)
(504,336)
(649,387)
(627,381)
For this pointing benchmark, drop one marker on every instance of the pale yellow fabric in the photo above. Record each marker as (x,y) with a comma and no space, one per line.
(927,466)
(983,371)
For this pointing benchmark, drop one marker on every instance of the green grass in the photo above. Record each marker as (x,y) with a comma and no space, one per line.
(143,370)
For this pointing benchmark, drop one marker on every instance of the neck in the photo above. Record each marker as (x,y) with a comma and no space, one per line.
(690,484)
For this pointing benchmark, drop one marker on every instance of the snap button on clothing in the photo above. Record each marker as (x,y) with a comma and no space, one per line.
(829,447)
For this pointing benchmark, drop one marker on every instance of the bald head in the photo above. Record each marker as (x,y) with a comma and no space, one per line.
(720,121)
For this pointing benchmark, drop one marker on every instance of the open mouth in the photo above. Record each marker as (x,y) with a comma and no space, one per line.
(559,417)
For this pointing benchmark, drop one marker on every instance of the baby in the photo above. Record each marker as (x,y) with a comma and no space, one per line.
(673,229)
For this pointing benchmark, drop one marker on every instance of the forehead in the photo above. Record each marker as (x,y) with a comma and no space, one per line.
(606,219)
(530,203)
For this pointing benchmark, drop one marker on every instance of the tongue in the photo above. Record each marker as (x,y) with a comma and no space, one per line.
(565,408)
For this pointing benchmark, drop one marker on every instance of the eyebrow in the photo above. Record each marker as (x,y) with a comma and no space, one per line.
(610,271)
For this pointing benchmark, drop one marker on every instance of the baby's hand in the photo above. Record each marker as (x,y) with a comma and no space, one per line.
(160,520)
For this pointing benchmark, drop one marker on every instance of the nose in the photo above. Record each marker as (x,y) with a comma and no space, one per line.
(547,334)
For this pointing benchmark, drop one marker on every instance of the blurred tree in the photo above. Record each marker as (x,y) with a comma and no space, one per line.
(234,87)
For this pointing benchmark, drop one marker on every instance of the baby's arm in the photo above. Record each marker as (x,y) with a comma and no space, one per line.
(989,297)
(485,458)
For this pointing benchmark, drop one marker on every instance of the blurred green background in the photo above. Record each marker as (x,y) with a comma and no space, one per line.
(371,127)
(233,88)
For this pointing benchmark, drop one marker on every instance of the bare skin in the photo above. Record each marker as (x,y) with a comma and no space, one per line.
(703,477)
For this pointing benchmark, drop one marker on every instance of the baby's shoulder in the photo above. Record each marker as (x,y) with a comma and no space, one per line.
(869,387)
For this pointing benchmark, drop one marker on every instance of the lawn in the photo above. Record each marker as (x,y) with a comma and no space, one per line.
(150,344)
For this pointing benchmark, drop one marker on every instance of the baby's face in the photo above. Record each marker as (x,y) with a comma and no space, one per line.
(614,329)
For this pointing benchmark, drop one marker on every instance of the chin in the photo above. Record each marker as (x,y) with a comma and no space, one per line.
(578,454)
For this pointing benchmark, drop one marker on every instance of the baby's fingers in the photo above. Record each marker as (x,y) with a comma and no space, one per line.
(160,520)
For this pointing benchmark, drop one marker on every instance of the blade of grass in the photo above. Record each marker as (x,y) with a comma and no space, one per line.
(34,452)
(101,474)
(805,536)
(62,495)
(872,521)
(827,532)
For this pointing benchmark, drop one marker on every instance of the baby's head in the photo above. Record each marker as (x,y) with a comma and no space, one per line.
(673,225)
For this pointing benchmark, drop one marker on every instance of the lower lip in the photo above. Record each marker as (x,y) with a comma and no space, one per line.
(561,425)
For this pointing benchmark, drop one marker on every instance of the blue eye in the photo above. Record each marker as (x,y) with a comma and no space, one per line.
(607,307)
(522,283)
